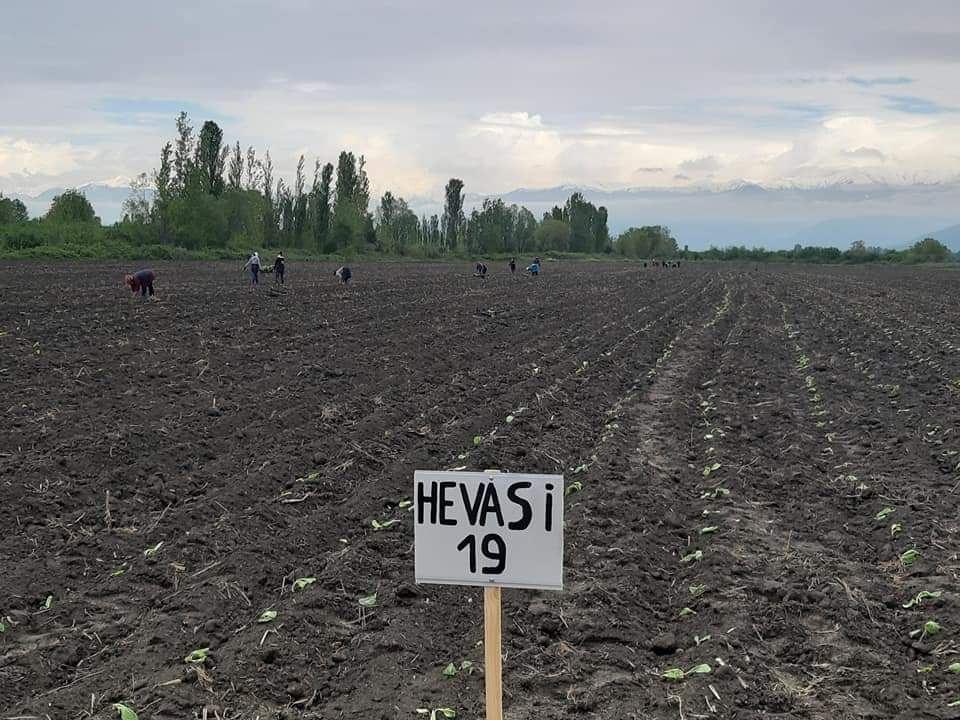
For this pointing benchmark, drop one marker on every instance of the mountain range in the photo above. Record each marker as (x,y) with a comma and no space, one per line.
(737,213)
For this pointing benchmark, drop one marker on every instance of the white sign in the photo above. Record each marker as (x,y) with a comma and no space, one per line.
(494,529)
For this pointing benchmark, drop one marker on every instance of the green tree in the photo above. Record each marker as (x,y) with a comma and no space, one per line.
(163,191)
(552,234)
(453,219)
(12,211)
(210,159)
(183,155)
(136,208)
(71,206)
(348,225)
(321,210)
(930,250)
(235,174)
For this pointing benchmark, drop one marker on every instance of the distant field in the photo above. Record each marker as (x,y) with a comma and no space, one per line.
(759,451)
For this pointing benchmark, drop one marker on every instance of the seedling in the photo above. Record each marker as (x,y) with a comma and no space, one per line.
(695,556)
(931,628)
(676,674)
(385,525)
(921,596)
(883,514)
(710,468)
(367,601)
(151,552)
(3,628)
(303,583)
(404,504)
(48,603)
(717,492)
(477,439)
(909,557)
(954,668)
(896,529)
(687,611)
(452,669)
(574,487)
(700,640)
(697,590)
(119,571)
(441,712)
(126,713)
(510,419)
(309,478)
(197,657)
(709,530)
(267,616)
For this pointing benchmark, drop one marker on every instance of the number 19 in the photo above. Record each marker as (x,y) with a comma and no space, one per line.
(492,547)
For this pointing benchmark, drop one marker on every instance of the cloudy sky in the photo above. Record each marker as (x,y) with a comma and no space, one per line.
(502,94)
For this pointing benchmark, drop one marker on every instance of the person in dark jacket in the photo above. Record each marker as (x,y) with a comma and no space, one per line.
(343,274)
(513,265)
(279,268)
(141,280)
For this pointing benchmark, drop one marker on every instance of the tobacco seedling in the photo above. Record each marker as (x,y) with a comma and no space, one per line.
(452,669)
(3,628)
(197,657)
(954,668)
(574,487)
(48,603)
(151,552)
(477,439)
(510,419)
(883,514)
(709,530)
(267,616)
(921,596)
(931,628)
(909,557)
(367,601)
(404,504)
(436,713)
(386,524)
(896,529)
(695,556)
(715,493)
(676,674)
(697,590)
(687,611)
(126,713)
(119,571)
(710,468)
(303,583)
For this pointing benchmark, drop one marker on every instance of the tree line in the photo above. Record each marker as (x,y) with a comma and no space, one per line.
(208,198)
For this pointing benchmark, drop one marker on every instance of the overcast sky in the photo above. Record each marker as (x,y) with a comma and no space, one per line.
(501,94)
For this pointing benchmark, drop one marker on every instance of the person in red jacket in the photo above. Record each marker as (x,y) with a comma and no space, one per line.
(141,280)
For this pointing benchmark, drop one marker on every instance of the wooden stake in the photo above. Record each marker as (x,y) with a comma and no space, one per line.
(492,657)
(493,667)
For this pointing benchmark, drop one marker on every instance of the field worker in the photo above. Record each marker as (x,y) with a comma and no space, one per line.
(481,270)
(534,267)
(278,268)
(343,274)
(141,280)
(254,264)
(513,265)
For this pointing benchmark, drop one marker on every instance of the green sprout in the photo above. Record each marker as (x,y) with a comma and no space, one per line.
(197,657)
(404,504)
(883,514)
(921,596)
(715,493)
(695,556)
(386,524)
(931,628)
(710,468)
(477,439)
(676,674)
(367,601)
(303,583)
(267,616)
(126,713)
(48,603)
(687,611)
(119,571)
(709,530)
(909,557)
(574,487)
(510,419)
(436,713)
(954,668)
(3,628)
(896,529)
(697,590)
(151,552)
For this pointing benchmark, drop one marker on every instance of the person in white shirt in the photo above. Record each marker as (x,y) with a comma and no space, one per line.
(254,264)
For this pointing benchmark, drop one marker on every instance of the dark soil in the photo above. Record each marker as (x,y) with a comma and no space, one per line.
(168,469)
